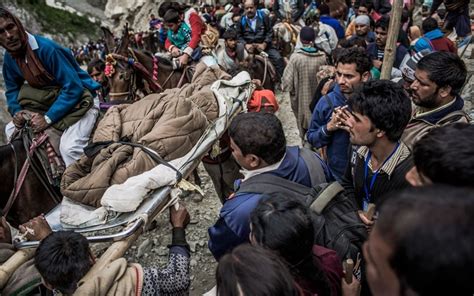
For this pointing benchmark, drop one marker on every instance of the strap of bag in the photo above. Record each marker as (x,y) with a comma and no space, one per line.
(325,196)
(268,183)
(316,171)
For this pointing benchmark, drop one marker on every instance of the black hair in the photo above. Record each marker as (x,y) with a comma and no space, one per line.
(284,224)
(252,270)
(429,25)
(365,3)
(386,104)
(260,134)
(445,155)
(324,9)
(4,13)
(356,56)
(230,33)
(96,64)
(171,5)
(383,23)
(62,259)
(431,232)
(171,16)
(357,42)
(444,69)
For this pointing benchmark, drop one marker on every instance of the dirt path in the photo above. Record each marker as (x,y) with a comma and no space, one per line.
(150,249)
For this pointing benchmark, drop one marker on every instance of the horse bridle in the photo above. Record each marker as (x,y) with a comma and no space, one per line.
(19,178)
(134,65)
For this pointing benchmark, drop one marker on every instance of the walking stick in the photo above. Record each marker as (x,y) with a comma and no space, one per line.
(391,45)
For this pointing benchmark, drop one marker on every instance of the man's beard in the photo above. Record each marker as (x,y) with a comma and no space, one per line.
(426,103)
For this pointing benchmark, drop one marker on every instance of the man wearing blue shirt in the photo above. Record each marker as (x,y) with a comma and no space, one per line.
(46,67)
(353,68)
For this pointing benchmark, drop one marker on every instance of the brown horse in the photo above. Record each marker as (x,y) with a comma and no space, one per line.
(262,69)
(133,74)
(35,195)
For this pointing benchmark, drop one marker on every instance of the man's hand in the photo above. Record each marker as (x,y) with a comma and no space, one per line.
(39,226)
(183,59)
(261,46)
(175,52)
(347,119)
(19,118)
(5,233)
(249,47)
(368,223)
(38,123)
(180,217)
(377,64)
(352,289)
(335,122)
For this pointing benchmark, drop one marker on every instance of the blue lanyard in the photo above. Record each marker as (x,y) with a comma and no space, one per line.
(374,177)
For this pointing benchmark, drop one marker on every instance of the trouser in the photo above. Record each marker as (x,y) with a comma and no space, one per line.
(74,138)
(276,59)
(460,20)
(223,176)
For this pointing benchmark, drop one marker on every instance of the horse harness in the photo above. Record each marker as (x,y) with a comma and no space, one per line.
(19,178)
(152,85)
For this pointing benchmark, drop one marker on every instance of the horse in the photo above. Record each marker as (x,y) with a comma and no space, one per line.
(134,73)
(285,36)
(26,191)
(260,67)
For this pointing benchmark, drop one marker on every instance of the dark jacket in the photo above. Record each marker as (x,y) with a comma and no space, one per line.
(354,179)
(382,6)
(337,142)
(232,228)
(399,55)
(263,30)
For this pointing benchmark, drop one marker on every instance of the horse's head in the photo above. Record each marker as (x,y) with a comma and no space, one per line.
(119,67)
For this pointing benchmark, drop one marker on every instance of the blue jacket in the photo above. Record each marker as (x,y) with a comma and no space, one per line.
(399,55)
(330,21)
(233,226)
(337,142)
(58,62)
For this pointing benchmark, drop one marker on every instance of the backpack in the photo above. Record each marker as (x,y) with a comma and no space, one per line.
(337,224)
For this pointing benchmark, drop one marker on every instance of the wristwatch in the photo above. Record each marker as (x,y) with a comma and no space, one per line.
(48,120)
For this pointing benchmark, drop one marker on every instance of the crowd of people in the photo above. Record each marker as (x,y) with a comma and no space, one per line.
(382,178)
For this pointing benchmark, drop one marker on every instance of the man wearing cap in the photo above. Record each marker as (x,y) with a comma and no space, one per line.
(299,78)
(408,68)
(435,91)
(362,29)
(58,95)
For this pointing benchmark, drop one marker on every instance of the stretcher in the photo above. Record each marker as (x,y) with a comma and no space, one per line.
(124,228)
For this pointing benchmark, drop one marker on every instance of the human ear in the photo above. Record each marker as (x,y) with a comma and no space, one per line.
(445,91)
(254,161)
(413,177)
(366,76)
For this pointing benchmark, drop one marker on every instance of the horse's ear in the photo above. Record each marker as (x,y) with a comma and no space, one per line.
(123,48)
(109,40)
